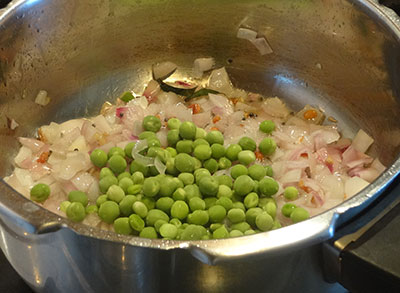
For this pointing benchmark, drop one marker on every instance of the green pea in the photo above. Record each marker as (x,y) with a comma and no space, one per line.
(153,142)
(268,186)
(76,212)
(164,204)
(202,152)
(117,163)
(249,232)
(208,186)
(137,177)
(236,215)
(235,233)
(122,226)
(251,200)
(215,226)
(148,232)
(40,192)
(128,149)
(151,187)
(167,186)
(270,208)
(211,165)
(196,203)
(134,189)
(123,175)
(264,222)
(116,151)
(221,232)
(198,217)
(187,130)
(218,151)
(169,231)
(217,213)
(106,182)
(115,193)
(178,183)
(264,201)
(299,214)
(276,225)
(200,133)
(91,209)
(215,136)
(246,157)
(248,143)
(193,232)
(179,210)
(78,196)
(140,209)
(158,224)
(173,137)
(64,205)
(153,151)
(226,202)
(184,163)
(184,146)
(224,163)
(270,171)
(105,172)
(154,215)
(101,199)
(179,194)
(124,183)
(291,193)
(174,123)
(125,205)
(171,151)
(210,201)
(147,134)
(197,163)
(200,173)
(151,123)
(149,202)
(287,209)
(224,191)
(138,167)
(242,226)
(257,172)
(267,126)
(238,170)
(267,146)
(176,222)
(251,215)
(99,158)
(225,180)
(233,151)
(191,191)
(243,185)
(200,141)
(186,178)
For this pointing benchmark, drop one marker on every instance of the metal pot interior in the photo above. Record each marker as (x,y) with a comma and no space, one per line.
(340,55)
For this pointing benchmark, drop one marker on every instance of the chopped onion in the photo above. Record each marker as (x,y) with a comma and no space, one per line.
(159,166)
(50,133)
(79,144)
(219,81)
(201,65)
(247,34)
(354,185)
(291,176)
(102,124)
(275,107)
(152,90)
(202,119)
(13,124)
(23,154)
(42,98)
(262,46)
(83,181)
(33,144)
(75,162)
(376,164)
(24,177)
(362,141)
(164,69)
(140,146)
(222,102)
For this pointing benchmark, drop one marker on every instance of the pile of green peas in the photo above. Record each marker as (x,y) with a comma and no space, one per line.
(188,202)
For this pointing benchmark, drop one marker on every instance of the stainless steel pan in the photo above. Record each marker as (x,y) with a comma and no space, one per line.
(341,55)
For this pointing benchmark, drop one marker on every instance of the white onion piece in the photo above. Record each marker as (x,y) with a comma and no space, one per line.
(106,147)
(13,124)
(138,101)
(93,191)
(140,146)
(75,162)
(219,81)
(122,144)
(362,141)
(42,98)
(354,185)
(169,98)
(291,176)
(333,185)
(24,177)
(275,107)
(223,102)
(23,154)
(202,119)
(83,181)
(162,137)
(89,131)
(163,70)
(246,34)
(262,46)
(159,166)
(70,125)
(79,144)
(102,124)
(201,65)
(152,90)
(376,164)
(50,132)
(33,144)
